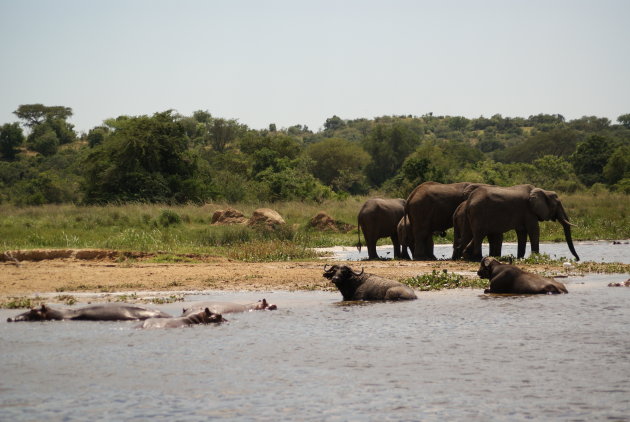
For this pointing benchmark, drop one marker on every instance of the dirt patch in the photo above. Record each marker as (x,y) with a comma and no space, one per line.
(324,222)
(105,272)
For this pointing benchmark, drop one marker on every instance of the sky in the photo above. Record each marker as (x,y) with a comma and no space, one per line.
(301,62)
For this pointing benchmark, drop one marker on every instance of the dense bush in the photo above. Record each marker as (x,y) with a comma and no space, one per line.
(169,158)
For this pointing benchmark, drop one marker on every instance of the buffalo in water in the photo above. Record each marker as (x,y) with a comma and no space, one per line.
(506,278)
(361,286)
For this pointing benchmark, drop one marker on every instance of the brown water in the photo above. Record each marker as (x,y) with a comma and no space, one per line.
(454,355)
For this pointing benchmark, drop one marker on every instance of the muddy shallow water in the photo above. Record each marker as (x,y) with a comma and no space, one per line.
(453,355)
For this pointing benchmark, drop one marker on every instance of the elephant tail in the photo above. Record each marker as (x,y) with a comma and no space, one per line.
(359,242)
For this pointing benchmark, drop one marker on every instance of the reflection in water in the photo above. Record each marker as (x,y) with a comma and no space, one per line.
(453,355)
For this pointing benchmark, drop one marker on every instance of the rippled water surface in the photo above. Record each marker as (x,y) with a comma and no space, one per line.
(453,355)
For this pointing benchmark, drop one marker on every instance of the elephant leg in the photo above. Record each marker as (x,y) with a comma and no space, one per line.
(521,235)
(534,237)
(476,253)
(429,248)
(371,246)
(396,244)
(496,243)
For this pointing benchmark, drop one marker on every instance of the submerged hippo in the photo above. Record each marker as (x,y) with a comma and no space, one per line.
(360,286)
(228,307)
(204,316)
(99,312)
(506,278)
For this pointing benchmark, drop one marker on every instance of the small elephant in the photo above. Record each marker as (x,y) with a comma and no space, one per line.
(204,316)
(506,278)
(360,286)
(379,218)
(97,312)
(228,307)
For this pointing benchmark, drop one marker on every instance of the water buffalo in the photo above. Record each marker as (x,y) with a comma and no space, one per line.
(360,286)
(99,312)
(506,278)
(204,316)
(228,307)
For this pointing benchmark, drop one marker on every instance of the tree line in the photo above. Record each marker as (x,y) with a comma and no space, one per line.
(173,158)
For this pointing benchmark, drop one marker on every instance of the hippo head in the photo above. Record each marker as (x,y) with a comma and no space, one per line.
(34,314)
(209,317)
(485,270)
(263,305)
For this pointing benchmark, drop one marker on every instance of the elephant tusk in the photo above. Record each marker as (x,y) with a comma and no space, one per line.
(568,223)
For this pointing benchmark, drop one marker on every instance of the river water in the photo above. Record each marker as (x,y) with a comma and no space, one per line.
(451,355)
(597,251)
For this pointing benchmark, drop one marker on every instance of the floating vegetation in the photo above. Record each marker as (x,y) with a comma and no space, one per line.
(438,280)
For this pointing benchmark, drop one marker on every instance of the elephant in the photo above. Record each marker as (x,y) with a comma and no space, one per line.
(204,316)
(462,235)
(506,278)
(360,286)
(492,210)
(228,307)
(100,312)
(405,237)
(430,207)
(379,218)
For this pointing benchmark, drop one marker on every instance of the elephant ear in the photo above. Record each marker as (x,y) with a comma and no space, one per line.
(539,205)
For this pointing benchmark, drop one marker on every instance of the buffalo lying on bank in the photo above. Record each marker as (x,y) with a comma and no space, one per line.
(506,278)
(360,286)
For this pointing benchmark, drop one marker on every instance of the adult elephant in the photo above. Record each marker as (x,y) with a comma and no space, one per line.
(379,218)
(430,207)
(493,210)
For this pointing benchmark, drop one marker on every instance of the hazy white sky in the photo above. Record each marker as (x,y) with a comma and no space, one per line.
(300,62)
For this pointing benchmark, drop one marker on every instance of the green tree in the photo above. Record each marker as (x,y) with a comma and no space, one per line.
(144,159)
(618,165)
(35,114)
(388,145)
(223,132)
(339,164)
(11,137)
(97,135)
(589,159)
(43,139)
(334,123)
(624,120)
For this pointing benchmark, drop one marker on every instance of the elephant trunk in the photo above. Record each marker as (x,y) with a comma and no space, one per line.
(564,220)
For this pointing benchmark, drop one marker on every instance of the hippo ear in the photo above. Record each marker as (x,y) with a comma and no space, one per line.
(43,308)
(264,303)
(207,311)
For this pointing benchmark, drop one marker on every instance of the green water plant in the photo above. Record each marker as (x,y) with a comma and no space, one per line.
(438,280)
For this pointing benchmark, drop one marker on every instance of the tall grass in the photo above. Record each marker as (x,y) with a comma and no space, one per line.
(188,229)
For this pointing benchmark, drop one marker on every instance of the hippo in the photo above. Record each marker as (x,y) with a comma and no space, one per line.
(360,286)
(204,316)
(228,307)
(506,278)
(98,312)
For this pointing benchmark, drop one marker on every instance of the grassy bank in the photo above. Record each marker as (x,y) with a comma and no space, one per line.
(187,229)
